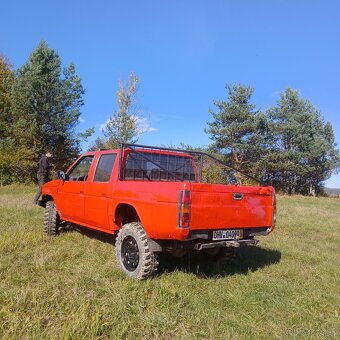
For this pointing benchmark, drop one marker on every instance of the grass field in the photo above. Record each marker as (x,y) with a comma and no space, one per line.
(70,286)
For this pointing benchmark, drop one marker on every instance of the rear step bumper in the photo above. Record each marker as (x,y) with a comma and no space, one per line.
(220,244)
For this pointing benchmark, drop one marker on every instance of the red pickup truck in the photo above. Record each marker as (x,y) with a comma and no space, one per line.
(154,200)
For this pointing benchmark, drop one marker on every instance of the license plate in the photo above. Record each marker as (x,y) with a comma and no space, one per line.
(230,234)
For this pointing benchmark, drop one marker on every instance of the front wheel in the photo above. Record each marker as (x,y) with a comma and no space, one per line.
(133,253)
(51,219)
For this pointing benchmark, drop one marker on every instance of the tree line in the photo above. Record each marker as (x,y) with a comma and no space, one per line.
(288,145)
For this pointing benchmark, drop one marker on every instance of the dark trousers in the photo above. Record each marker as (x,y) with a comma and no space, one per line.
(41,180)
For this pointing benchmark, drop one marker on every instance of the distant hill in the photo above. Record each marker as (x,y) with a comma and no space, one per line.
(332,191)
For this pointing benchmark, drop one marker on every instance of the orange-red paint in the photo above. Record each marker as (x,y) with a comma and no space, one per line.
(93,204)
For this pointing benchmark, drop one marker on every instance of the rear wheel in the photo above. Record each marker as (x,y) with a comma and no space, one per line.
(133,253)
(51,219)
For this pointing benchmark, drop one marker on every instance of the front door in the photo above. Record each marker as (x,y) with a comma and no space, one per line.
(71,192)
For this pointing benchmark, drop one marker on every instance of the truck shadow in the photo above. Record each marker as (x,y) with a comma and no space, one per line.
(247,259)
(90,233)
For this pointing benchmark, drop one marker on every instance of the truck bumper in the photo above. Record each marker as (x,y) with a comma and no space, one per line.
(222,244)
(208,234)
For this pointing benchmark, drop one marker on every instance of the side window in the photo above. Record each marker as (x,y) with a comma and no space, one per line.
(81,170)
(104,168)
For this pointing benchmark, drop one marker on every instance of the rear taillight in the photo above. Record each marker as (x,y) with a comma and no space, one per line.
(274,210)
(184,209)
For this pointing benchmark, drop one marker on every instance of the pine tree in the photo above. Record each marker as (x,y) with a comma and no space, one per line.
(46,109)
(304,153)
(238,129)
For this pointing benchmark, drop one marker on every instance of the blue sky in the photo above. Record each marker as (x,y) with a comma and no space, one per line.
(184,52)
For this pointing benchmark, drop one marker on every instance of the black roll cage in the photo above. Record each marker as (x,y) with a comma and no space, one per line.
(201,155)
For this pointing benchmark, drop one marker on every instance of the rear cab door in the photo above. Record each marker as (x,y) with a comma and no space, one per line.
(99,189)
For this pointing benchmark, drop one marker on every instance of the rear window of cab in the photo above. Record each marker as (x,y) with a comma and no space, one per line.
(144,166)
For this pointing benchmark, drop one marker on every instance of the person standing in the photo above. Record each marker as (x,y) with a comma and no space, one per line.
(43,173)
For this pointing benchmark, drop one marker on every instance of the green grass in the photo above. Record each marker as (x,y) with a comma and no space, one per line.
(70,287)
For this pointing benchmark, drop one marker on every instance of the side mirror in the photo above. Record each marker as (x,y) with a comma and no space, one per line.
(61,175)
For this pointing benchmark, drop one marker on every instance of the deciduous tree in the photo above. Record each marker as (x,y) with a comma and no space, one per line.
(122,126)
(6,83)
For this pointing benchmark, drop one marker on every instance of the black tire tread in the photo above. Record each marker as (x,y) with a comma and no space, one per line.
(51,219)
(149,262)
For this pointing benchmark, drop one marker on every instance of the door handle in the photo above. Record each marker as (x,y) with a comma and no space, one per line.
(237,196)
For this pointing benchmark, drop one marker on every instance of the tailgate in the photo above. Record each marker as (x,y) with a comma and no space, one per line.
(227,206)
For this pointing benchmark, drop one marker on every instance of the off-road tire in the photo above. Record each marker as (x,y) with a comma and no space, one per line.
(51,219)
(133,253)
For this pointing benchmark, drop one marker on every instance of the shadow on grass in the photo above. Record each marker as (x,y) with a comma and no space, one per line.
(98,235)
(246,259)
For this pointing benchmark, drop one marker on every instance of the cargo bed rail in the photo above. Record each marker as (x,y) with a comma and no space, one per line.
(200,155)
